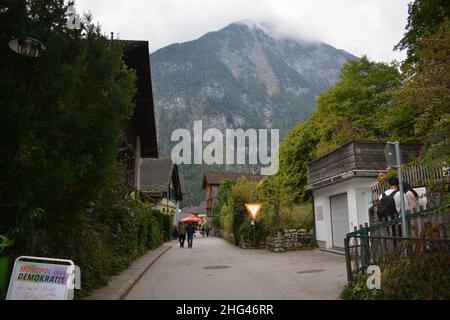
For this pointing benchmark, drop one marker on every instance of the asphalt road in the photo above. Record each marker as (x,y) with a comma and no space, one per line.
(215,269)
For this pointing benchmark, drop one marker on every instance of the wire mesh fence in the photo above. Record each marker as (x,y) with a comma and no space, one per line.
(410,268)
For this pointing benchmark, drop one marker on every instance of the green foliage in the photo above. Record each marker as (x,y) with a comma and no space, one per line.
(166,227)
(424,20)
(222,201)
(346,111)
(232,217)
(297,216)
(62,115)
(104,239)
(358,291)
(164,222)
(262,229)
(420,276)
(241,193)
(374,101)
(62,118)
(423,276)
(420,109)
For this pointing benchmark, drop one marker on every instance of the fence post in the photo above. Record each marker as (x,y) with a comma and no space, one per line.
(348,259)
(365,247)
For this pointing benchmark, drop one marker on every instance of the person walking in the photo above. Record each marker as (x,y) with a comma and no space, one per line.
(411,196)
(181,234)
(190,230)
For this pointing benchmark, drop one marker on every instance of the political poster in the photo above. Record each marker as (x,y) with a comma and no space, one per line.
(36,278)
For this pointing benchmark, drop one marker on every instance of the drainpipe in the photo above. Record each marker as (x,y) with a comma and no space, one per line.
(314,218)
(311,194)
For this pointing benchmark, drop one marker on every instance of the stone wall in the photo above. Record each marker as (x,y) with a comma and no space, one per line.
(245,244)
(290,239)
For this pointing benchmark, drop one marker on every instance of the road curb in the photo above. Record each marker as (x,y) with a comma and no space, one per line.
(127,288)
(119,286)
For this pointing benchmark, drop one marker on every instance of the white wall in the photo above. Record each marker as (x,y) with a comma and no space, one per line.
(358,197)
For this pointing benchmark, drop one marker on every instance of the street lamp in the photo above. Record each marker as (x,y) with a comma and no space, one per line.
(27,46)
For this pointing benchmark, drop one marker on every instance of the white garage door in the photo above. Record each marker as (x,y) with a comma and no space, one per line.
(339,219)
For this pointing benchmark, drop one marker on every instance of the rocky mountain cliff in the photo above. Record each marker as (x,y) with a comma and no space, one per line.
(239,77)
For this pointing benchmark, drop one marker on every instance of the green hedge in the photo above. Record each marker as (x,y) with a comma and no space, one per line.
(102,240)
(165,224)
(109,238)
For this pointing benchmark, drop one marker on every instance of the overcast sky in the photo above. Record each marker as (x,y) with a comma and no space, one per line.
(371,27)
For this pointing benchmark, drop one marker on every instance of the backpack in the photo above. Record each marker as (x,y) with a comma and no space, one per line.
(387,207)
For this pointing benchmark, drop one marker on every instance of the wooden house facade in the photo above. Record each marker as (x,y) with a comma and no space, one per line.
(161,185)
(139,132)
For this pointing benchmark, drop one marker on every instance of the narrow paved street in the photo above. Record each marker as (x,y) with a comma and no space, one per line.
(215,269)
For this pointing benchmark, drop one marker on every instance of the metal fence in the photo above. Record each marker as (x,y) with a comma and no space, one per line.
(429,223)
(411,268)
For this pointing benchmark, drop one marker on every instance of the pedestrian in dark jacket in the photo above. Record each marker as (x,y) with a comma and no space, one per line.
(181,234)
(190,231)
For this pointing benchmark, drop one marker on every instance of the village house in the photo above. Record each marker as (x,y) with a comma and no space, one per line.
(340,184)
(161,185)
(211,183)
(139,132)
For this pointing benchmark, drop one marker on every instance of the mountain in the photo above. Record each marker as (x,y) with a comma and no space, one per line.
(238,77)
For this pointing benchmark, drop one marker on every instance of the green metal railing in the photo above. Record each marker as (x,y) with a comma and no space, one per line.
(430,223)
(428,216)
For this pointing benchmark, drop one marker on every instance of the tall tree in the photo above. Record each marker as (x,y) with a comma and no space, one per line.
(421,107)
(61,114)
(425,18)
(346,111)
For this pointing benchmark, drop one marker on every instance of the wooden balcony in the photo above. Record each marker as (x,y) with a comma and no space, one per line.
(356,158)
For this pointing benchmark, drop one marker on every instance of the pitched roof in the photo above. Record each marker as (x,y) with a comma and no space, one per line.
(216,177)
(183,186)
(156,175)
(200,209)
(188,210)
(136,56)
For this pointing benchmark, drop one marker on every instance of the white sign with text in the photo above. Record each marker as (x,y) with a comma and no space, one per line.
(35,278)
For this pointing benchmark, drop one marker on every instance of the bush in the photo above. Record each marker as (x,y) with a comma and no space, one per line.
(167,227)
(422,275)
(232,217)
(260,229)
(165,224)
(154,231)
(104,239)
(108,238)
(358,291)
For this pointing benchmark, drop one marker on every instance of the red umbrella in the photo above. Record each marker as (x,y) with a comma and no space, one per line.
(192,218)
